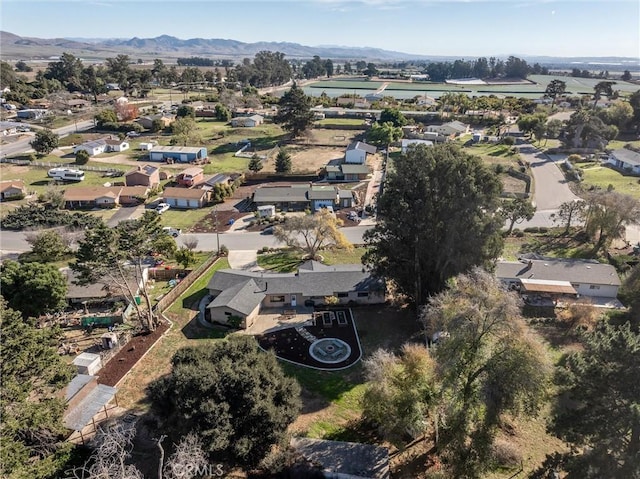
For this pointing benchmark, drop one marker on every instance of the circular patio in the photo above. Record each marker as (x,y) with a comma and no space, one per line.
(330,350)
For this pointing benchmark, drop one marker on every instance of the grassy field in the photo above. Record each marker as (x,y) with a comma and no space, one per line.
(287,261)
(184,219)
(341,121)
(617,144)
(603,177)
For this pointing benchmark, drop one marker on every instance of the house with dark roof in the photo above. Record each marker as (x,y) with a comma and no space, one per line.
(178,154)
(209,182)
(322,196)
(247,121)
(560,276)
(287,198)
(450,129)
(357,152)
(346,460)
(103,290)
(626,160)
(238,296)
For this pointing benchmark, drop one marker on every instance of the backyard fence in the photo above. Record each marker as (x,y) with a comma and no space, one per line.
(41,164)
(183,285)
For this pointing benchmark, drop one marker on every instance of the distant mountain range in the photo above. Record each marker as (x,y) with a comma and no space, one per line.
(15,47)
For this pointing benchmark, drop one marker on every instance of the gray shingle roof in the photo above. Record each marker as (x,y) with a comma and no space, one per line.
(243,297)
(574,271)
(628,156)
(353,169)
(322,193)
(280,193)
(325,282)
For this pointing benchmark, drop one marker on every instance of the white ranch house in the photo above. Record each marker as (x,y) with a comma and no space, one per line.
(625,159)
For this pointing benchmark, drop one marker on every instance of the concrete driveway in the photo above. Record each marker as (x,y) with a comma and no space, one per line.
(125,213)
(244,259)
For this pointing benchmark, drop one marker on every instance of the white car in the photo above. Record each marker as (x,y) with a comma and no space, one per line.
(175,232)
(162,207)
(133,133)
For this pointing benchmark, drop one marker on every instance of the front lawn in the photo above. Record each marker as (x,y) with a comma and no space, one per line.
(287,261)
(184,219)
(602,177)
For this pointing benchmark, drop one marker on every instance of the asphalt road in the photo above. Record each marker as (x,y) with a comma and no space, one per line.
(14,241)
(22,146)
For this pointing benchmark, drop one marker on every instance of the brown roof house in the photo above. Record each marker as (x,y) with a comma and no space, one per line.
(146,175)
(186,197)
(92,197)
(190,177)
(12,190)
(133,195)
(147,121)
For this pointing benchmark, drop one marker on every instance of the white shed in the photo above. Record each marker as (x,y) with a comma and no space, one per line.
(88,363)
(266,211)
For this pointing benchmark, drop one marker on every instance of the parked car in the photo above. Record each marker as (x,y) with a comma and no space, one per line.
(162,207)
(175,232)
(133,133)
(267,231)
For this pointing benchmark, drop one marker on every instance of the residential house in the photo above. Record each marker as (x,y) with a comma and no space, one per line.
(178,154)
(345,199)
(247,121)
(348,102)
(147,121)
(287,198)
(32,113)
(239,295)
(92,197)
(10,128)
(186,197)
(348,460)
(346,172)
(559,276)
(357,152)
(425,101)
(626,160)
(190,177)
(104,289)
(78,104)
(116,145)
(322,196)
(12,190)
(451,129)
(406,143)
(146,175)
(94,147)
(133,195)
(209,182)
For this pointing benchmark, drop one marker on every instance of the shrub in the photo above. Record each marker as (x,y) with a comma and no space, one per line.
(82,157)
(44,216)
(505,453)
(224,251)
(498,168)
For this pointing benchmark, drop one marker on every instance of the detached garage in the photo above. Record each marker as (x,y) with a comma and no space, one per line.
(186,198)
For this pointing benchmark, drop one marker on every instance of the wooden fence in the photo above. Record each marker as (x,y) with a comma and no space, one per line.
(183,285)
(40,164)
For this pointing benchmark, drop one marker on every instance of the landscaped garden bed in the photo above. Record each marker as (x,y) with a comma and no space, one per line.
(328,343)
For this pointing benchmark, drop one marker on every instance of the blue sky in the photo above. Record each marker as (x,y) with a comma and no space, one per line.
(427,27)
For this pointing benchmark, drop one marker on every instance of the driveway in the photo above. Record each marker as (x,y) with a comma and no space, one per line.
(244,259)
(125,213)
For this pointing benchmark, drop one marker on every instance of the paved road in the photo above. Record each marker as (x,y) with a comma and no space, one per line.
(14,240)
(22,146)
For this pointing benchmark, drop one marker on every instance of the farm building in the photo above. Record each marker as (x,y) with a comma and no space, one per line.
(178,154)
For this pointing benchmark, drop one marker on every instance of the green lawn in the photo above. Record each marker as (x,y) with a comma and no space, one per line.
(617,144)
(287,261)
(341,121)
(603,177)
(184,219)
(492,153)
(341,256)
(197,290)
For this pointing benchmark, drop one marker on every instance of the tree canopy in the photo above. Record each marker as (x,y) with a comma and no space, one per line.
(283,161)
(31,431)
(603,416)
(517,211)
(33,288)
(235,396)
(294,111)
(44,141)
(311,233)
(437,217)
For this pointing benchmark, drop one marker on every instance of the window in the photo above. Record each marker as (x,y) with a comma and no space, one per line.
(594,286)
(363,295)
(276,299)
(227,314)
(342,295)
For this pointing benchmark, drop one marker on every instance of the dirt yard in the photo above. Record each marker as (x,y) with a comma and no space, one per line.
(306,159)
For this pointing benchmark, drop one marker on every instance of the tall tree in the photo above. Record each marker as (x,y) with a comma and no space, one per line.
(283,161)
(255,164)
(44,141)
(555,89)
(31,431)
(243,400)
(48,245)
(489,367)
(570,212)
(311,233)
(294,111)
(383,134)
(603,88)
(437,217)
(185,131)
(517,211)
(394,116)
(33,288)
(608,212)
(602,412)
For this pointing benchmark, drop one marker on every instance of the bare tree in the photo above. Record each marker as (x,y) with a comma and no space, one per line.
(187,461)
(569,212)
(190,242)
(109,459)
